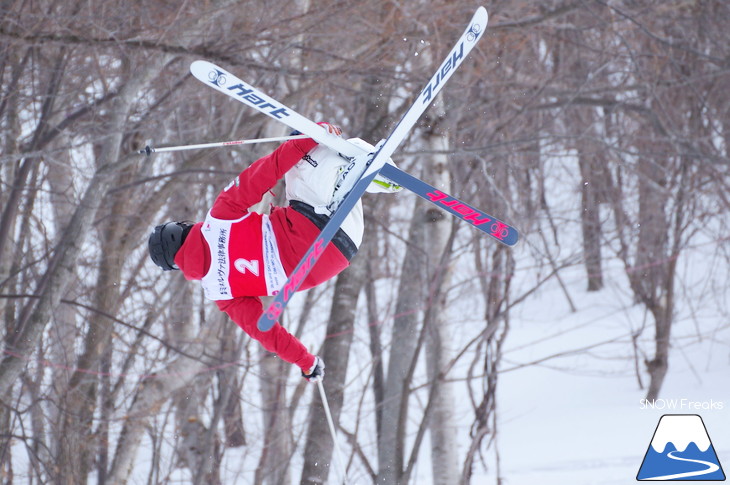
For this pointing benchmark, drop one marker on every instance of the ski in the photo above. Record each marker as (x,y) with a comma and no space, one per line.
(501,231)
(230,85)
(378,158)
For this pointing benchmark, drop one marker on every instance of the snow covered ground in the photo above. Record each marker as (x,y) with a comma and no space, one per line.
(578,417)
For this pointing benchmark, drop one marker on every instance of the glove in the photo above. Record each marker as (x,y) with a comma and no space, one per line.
(334,129)
(316,372)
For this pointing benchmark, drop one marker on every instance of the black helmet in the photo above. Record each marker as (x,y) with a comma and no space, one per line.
(165,241)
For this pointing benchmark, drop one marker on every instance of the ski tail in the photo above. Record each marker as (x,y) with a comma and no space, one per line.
(501,231)
(456,56)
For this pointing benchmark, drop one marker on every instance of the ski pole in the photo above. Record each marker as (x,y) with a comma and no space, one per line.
(331,424)
(148,150)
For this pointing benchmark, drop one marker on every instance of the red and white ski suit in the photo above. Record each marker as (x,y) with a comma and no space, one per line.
(240,255)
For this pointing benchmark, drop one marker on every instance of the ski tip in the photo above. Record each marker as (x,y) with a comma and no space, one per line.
(481,15)
(478,24)
(269,317)
(200,64)
(504,233)
(512,239)
(507,235)
(264,324)
(201,69)
(210,74)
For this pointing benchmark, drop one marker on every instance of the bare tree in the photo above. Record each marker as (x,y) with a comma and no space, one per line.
(600,129)
(441,329)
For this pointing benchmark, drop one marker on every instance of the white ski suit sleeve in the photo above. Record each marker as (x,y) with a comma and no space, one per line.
(314,181)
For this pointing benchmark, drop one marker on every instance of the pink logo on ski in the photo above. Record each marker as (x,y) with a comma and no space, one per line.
(274,311)
(467,213)
(500,230)
(296,279)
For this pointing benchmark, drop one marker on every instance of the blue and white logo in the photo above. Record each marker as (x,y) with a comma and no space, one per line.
(217,77)
(474,32)
(681,450)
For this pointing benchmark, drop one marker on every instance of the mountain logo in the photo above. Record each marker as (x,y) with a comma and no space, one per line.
(680,450)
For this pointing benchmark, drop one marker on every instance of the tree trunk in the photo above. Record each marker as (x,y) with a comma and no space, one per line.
(408,311)
(440,333)
(230,381)
(151,395)
(651,271)
(590,219)
(55,281)
(273,466)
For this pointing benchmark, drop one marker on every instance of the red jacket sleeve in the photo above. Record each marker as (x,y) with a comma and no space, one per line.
(245,311)
(251,185)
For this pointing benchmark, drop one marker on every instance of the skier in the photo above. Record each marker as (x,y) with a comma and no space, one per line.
(239,255)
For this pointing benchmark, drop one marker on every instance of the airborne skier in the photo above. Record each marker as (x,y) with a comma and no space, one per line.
(239,255)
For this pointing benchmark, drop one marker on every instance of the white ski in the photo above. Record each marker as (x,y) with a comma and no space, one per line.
(225,82)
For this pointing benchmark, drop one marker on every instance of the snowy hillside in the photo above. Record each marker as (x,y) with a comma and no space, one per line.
(578,417)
